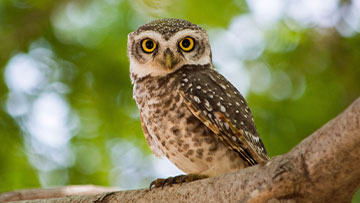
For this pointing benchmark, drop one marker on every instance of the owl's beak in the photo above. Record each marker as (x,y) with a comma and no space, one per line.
(169,59)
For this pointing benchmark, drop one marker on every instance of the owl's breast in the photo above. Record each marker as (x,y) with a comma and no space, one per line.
(173,129)
(157,102)
(160,106)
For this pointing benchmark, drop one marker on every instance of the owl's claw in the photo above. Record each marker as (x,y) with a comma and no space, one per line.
(180,179)
(172,181)
(151,184)
(164,182)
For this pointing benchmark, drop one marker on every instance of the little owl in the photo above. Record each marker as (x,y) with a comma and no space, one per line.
(189,112)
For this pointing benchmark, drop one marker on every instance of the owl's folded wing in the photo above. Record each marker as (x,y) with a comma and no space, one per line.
(220,106)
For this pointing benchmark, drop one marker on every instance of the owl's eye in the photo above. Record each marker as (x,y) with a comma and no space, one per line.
(148,45)
(187,44)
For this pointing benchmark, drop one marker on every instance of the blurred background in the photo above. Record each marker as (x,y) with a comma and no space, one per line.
(66,110)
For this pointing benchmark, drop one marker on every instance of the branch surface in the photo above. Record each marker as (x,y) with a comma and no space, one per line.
(324,167)
(46,193)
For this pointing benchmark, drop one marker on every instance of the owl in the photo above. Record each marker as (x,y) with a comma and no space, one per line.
(189,112)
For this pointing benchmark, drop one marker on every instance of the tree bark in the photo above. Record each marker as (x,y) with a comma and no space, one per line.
(46,193)
(324,167)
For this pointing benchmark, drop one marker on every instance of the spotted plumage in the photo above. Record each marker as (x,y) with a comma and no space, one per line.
(167,27)
(189,112)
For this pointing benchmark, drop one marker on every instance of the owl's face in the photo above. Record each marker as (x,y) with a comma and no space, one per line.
(164,46)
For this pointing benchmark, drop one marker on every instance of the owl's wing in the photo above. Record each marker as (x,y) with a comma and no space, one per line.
(221,107)
(152,144)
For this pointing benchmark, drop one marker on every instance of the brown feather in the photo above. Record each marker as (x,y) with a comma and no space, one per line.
(218,104)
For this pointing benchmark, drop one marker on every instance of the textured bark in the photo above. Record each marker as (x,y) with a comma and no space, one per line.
(46,193)
(325,167)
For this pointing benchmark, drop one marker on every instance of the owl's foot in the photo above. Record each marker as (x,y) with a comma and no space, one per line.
(180,179)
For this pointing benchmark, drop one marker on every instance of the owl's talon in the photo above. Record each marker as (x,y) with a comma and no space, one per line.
(151,184)
(156,183)
(164,182)
(192,177)
(172,181)
(180,179)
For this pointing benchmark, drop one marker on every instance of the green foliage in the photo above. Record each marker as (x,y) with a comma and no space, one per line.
(303,77)
(15,172)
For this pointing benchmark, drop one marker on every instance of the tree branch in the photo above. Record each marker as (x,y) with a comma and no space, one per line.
(45,193)
(325,167)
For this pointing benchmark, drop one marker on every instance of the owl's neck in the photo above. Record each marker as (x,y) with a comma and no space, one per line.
(159,86)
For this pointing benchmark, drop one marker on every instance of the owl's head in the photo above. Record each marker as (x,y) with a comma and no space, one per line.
(164,46)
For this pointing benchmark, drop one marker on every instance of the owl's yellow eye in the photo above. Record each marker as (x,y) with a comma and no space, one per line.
(187,44)
(148,45)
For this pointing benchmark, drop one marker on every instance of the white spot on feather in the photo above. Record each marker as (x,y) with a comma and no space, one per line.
(226,126)
(205,112)
(222,109)
(197,100)
(207,105)
(223,86)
